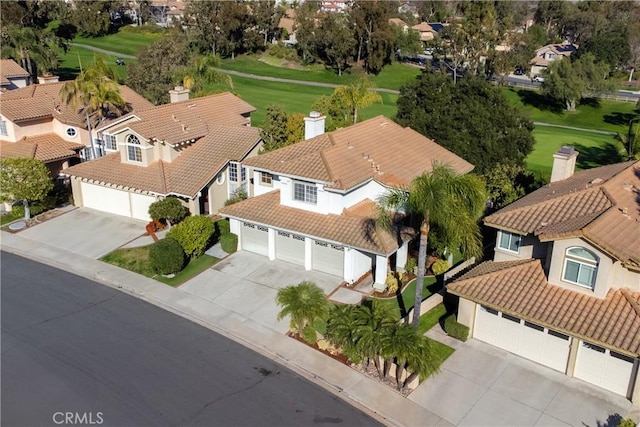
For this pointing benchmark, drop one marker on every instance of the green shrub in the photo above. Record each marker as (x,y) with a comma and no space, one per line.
(309,334)
(169,208)
(391,282)
(627,422)
(193,234)
(455,329)
(167,256)
(411,265)
(223,227)
(229,243)
(440,267)
(237,196)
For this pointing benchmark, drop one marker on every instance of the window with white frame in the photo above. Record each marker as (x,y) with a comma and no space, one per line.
(580,267)
(134,152)
(71,132)
(110,142)
(233,172)
(509,241)
(304,192)
(243,173)
(3,128)
(266,178)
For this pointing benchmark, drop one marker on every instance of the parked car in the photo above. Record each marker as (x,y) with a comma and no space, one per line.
(519,71)
(119,61)
(538,79)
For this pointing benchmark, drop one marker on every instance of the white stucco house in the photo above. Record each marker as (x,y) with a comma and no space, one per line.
(563,288)
(190,148)
(314,203)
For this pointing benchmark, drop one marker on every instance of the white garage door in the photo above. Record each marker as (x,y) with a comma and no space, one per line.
(604,368)
(290,247)
(328,258)
(255,238)
(526,339)
(105,199)
(140,206)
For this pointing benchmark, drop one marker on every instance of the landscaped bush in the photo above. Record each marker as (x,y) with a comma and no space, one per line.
(193,234)
(229,243)
(167,256)
(411,265)
(391,282)
(455,329)
(309,334)
(239,195)
(169,208)
(440,267)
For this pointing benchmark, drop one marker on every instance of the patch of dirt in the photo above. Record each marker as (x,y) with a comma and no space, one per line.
(338,356)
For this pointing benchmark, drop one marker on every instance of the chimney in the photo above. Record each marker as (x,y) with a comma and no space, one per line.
(564,163)
(44,80)
(179,94)
(313,125)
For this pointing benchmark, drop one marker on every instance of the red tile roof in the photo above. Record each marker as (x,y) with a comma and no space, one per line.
(520,288)
(601,205)
(10,69)
(47,147)
(375,149)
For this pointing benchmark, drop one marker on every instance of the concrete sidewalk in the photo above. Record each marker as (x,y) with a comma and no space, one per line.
(365,393)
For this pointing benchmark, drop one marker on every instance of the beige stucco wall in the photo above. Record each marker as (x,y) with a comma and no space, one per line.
(218,193)
(557,264)
(77,192)
(145,147)
(33,127)
(11,129)
(467,313)
(620,277)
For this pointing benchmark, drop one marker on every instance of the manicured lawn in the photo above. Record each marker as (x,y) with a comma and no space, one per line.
(595,149)
(125,41)
(69,66)
(294,98)
(404,303)
(430,319)
(596,114)
(137,260)
(11,216)
(439,352)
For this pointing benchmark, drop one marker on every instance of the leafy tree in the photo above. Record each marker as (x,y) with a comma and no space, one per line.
(357,95)
(304,303)
(193,234)
(610,45)
(169,209)
(451,45)
(441,198)
(336,43)
(266,16)
(433,11)
(550,14)
(568,80)
(408,43)
(274,128)
(305,28)
(337,112)
(25,179)
(93,18)
(374,35)
(507,183)
(472,118)
(630,139)
(167,256)
(295,128)
(35,50)
(217,27)
(201,70)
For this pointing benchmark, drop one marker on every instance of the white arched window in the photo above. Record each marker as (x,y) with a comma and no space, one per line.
(134,152)
(580,266)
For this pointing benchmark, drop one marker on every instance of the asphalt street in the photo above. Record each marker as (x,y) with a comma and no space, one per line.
(74,350)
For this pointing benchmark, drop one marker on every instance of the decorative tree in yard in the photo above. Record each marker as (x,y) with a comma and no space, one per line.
(304,302)
(169,209)
(193,234)
(444,199)
(411,353)
(24,179)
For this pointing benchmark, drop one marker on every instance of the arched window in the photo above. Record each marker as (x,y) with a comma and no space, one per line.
(134,152)
(580,266)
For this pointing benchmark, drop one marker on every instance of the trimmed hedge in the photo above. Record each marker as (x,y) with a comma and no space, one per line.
(193,234)
(167,256)
(455,329)
(229,243)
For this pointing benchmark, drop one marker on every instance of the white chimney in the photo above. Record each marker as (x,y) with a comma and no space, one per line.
(313,125)
(564,163)
(43,80)
(179,94)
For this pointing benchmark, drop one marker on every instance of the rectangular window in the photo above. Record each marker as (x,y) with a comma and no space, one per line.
(509,317)
(489,310)
(580,273)
(305,192)
(266,178)
(509,241)
(110,142)
(3,128)
(533,326)
(243,173)
(134,153)
(233,172)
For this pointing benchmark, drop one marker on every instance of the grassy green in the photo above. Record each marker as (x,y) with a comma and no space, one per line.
(612,116)
(11,216)
(439,352)
(402,304)
(430,319)
(69,66)
(294,98)
(595,149)
(137,260)
(124,41)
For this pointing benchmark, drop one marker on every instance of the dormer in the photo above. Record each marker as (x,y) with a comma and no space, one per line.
(134,149)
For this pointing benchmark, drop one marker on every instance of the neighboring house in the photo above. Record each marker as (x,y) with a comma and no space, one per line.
(334,5)
(428,31)
(563,289)
(12,75)
(190,148)
(399,23)
(549,53)
(287,22)
(35,122)
(314,203)
(168,13)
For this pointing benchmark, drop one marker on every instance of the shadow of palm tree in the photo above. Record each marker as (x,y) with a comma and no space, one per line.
(618,118)
(591,157)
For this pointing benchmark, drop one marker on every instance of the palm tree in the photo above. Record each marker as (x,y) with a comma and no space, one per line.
(442,198)
(629,140)
(369,323)
(304,302)
(202,70)
(358,95)
(95,92)
(411,352)
(24,44)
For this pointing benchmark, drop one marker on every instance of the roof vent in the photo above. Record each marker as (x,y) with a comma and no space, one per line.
(184,127)
(192,105)
(173,116)
(596,181)
(627,186)
(384,124)
(624,210)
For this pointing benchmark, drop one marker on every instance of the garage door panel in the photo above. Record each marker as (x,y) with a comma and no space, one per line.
(606,369)
(105,199)
(556,350)
(290,248)
(140,206)
(255,239)
(486,325)
(531,341)
(327,258)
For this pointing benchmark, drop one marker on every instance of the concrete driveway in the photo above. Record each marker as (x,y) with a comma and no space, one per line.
(481,385)
(86,232)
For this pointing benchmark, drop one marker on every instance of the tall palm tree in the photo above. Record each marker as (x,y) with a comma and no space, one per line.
(24,44)
(358,95)
(411,353)
(369,323)
(442,198)
(95,93)
(304,302)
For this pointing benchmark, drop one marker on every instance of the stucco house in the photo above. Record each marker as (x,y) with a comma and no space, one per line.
(12,75)
(314,203)
(35,122)
(549,53)
(189,148)
(563,288)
